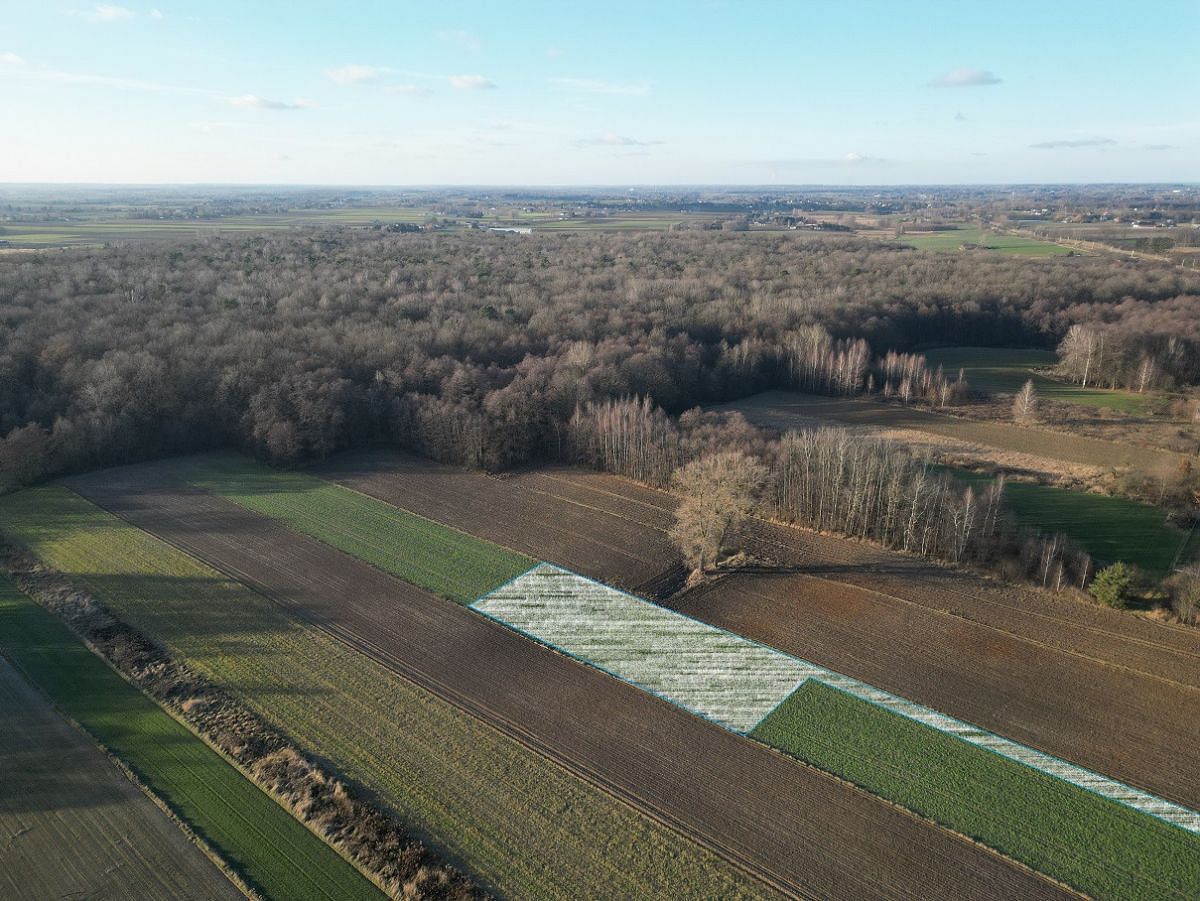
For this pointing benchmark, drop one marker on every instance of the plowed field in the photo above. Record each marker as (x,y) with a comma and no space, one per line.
(794,827)
(1106,690)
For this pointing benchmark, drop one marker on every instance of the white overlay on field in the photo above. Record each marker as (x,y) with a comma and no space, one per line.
(709,671)
(729,679)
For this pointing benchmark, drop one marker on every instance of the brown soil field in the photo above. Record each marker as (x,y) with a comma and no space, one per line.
(1107,690)
(73,826)
(579,522)
(789,410)
(796,828)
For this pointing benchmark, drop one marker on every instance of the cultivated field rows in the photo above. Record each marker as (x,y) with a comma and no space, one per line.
(72,824)
(1106,690)
(524,826)
(723,677)
(798,829)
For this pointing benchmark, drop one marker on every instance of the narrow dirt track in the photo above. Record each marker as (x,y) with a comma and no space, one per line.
(1100,688)
(796,828)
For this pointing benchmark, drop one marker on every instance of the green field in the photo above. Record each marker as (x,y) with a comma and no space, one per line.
(507,814)
(443,560)
(1096,845)
(64,800)
(98,228)
(1108,528)
(953,239)
(1003,370)
(260,840)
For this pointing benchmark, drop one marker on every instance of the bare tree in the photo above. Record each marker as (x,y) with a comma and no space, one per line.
(1025,404)
(717,492)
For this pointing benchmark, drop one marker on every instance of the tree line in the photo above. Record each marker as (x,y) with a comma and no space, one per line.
(828,479)
(478,348)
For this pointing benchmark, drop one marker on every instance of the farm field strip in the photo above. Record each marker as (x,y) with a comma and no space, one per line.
(1094,844)
(1004,370)
(671,655)
(526,826)
(708,671)
(258,838)
(798,829)
(73,825)
(1109,528)
(426,553)
(788,409)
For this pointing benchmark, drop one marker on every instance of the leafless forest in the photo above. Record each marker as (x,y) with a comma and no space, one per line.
(478,349)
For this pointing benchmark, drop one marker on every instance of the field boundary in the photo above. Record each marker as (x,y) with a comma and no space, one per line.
(1095,783)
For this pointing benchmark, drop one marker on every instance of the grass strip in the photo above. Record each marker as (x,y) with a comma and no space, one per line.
(1005,369)
(1109,528)
(422,552)
(260,840)
(1094,844)
(514,819)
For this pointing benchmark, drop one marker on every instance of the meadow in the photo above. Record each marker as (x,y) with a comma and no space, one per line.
(1003,370)
(259,840)
(427,554)
(1089,842)
(1109,528)
(510,817)
(1008,245)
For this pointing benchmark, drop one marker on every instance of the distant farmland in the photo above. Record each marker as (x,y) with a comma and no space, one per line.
(72,825)
(1002,370)
(955,238)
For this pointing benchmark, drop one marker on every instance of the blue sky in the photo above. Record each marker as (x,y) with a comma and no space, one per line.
(599,92)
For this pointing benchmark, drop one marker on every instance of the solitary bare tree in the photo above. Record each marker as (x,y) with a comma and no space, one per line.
(717,492)
(1025,404)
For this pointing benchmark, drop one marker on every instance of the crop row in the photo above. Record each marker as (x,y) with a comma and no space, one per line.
(420,551)
(260,840)
(515,820)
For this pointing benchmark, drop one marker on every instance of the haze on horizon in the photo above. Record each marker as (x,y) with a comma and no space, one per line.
(540,93)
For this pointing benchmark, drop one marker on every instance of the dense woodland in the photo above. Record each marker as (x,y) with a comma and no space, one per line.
(478,348)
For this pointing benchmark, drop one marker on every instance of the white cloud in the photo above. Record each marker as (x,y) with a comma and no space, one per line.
(253,101)
(463,39)
(408,90)
(107,12)
(613,139)
(555,53)
(470,83)
(156,14)
(280,157)
(352,74)
(209,128)
(1073,143)
(10,59)
(965,78)
(592,86)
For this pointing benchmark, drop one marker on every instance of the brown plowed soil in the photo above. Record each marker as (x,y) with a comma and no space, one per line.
(793,826)
(1107,690)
